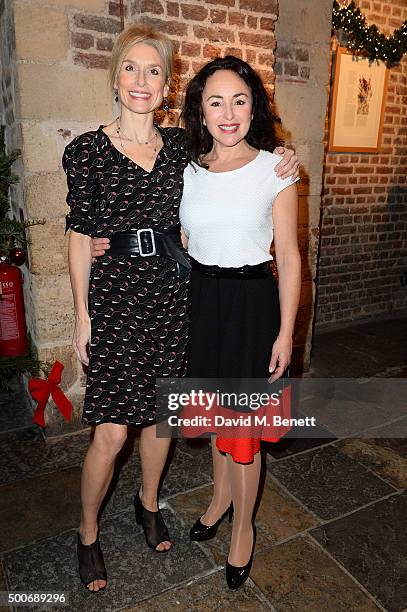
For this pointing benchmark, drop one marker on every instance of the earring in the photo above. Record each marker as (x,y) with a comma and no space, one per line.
(116,97)
(166,106)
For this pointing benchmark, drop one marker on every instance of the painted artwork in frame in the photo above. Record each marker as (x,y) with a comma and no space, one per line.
(358,101)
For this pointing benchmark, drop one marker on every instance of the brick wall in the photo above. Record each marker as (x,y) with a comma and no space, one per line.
(10,120)
(7,100)
(60,52)
(363,251)
(8,97)
(303,35)
(292,61)
(200,31)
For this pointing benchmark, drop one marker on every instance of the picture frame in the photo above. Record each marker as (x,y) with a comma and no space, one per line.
(358,102)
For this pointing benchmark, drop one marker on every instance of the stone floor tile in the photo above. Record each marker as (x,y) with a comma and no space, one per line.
(397,430)
(328,482)
(386,457)
(189,507)
(14,412)
(38,507)
(388,393)
(345,418)
(134,571)
(191,467)
(25,453)
(3,586)
(278,517)
(2,577)
(188,467)
(208,594)
(289,446)
(372,347)
(298,575)
(15,453)
(371,544)
(396,445)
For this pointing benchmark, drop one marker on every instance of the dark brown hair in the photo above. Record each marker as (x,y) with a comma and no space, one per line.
(261,134)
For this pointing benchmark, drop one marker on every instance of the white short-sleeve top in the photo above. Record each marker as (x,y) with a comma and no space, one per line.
(227,215)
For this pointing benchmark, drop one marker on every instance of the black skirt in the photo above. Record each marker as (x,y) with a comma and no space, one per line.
(234,323)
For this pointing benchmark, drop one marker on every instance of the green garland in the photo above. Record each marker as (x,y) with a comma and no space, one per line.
(10,367)
(369,39)
(12,232)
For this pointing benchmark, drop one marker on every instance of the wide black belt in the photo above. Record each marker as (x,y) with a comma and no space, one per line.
(261,270)
(147,242)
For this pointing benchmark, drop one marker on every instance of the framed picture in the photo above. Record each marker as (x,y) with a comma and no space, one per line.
(357,111)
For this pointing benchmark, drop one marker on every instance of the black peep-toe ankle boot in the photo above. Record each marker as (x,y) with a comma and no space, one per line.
(91,563)
(155,529)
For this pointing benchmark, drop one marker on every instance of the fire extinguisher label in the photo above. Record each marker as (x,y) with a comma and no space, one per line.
(8,317)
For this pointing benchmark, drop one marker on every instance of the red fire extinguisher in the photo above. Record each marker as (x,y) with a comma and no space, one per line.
(13,333)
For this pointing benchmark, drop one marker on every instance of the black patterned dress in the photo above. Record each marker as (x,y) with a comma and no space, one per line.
(138,306)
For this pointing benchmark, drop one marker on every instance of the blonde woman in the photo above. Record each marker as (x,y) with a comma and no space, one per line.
(125,185)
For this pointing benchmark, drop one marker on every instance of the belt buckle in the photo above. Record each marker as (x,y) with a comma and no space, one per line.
(140,246)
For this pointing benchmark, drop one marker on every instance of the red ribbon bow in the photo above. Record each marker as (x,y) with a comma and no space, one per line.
(41,389)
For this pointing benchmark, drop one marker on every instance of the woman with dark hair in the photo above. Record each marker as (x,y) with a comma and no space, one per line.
(233,205)
(261,133)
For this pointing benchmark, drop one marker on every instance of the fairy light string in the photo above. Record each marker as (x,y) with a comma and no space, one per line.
(368,39)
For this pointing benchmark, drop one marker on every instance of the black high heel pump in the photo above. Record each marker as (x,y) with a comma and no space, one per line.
(155,530)
(200,532)
(237,576)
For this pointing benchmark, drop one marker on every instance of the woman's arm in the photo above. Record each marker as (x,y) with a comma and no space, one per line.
(82,193)
(289,165)
(184,239)
(288,259)
(79,258)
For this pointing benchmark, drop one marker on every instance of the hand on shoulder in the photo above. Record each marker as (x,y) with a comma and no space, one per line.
(289,165)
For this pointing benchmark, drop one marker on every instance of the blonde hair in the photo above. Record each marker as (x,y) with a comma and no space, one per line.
(139,33)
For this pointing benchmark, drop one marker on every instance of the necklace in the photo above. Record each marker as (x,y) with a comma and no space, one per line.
(129,156)
(119,133)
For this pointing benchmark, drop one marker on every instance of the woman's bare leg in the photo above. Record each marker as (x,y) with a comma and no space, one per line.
(244,481)
(97,474)
(222,494)
(153,455)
